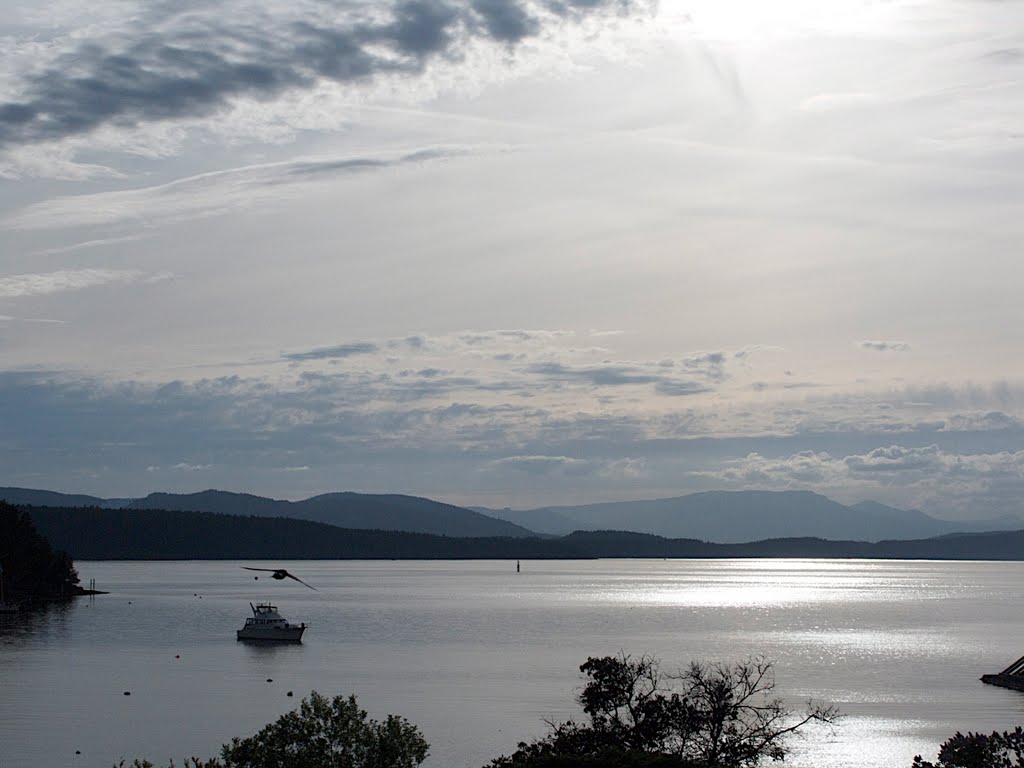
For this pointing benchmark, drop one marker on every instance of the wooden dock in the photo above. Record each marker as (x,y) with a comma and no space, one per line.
(1011,677)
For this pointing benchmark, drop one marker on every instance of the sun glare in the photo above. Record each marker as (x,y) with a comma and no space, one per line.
(752,20)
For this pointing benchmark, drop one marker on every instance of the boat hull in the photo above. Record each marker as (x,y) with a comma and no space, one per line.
(289,634)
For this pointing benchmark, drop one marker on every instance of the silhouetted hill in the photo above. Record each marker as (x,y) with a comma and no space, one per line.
(39,498)
(1003,545)
(347,510)
(118,534)
(551,521)
(219,502)
(92,533)
(404,513)
(715,516)
(738,516)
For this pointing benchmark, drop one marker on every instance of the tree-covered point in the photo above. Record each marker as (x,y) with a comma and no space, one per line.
(29,567)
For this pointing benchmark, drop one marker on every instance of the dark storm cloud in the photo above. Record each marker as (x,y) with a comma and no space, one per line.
(665,383)
(314,168)
(599,376)
(335,352)
(194,69)
(680,388)
(505,21)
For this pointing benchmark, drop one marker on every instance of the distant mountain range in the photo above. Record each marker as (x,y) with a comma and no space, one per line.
(719,516)
(741,516)
(345,510)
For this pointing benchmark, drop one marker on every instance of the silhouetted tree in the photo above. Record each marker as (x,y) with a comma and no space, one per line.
(708,715)
(976,750)
(30,568)
(325,733)
(322,733)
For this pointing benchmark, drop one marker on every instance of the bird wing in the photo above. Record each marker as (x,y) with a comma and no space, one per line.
(300,581)
(271,570)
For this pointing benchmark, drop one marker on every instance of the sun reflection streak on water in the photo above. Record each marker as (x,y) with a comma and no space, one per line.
(764,584)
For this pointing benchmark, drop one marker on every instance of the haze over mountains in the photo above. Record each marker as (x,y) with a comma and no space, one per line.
(740,516)
(719,516)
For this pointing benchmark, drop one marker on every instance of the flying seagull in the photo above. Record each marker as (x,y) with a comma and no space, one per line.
(280,573)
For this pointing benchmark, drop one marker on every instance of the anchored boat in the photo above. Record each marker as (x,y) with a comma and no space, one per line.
(1011,677)
(267,624)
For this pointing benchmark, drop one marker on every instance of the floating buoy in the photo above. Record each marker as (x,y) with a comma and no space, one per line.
(127,693)
(78,751)
(177,656)
(270,679)
(289,693)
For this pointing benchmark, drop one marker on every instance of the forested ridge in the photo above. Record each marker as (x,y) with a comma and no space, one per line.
(126,534)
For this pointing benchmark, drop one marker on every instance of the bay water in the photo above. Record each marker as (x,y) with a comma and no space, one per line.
(478,655)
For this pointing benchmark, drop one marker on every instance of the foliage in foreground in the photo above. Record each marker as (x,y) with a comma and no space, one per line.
(707,716)
(719,715)
(323,733)
(976,750)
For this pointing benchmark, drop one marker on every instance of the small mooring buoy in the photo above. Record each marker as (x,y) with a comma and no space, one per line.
(270,679)
(289,693)
(127,693)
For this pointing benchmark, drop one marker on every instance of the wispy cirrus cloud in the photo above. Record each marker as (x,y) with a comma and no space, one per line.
(878,345)
(545,465)
(207,194)
(42,283)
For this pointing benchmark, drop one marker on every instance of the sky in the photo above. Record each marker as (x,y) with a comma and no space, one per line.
(514,253)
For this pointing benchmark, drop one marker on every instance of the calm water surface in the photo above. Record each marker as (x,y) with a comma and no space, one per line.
(478,656)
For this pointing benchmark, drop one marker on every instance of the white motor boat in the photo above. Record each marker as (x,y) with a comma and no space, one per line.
(267,624)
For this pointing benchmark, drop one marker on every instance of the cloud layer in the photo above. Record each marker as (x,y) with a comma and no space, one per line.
(513,252)
(192,63)
(468,415)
